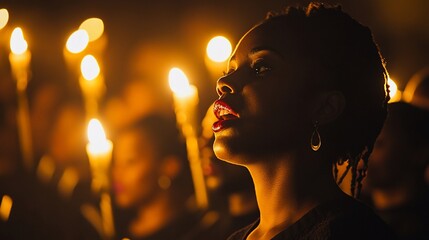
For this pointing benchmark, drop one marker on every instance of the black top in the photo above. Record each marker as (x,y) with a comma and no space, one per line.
(343,218)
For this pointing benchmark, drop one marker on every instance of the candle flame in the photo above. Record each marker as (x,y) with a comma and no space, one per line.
(89,67)
(4,17)
(394,93)
(18,45)
(98,144)
(178,81)
(95,132)
(94,27)
(219,49)
(77,41)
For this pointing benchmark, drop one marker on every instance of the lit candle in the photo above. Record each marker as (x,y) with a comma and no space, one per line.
(91,83)
(20,60)
(185,102)
(99,150)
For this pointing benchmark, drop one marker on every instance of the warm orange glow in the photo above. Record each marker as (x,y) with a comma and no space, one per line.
(4,17)
(18,45)
(89,67)
(77,41)
(94,27)
(5,207)
(219,49)
(96,134)
(179,83)
(394,93)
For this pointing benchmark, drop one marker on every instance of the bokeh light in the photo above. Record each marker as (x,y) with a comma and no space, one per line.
(219,49)
(178,81)
(18,45)
(394,93)
(77,41)
(94,27)
(89,67)
(4,17)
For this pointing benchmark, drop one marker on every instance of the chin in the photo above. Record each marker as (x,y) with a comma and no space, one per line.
(225,151)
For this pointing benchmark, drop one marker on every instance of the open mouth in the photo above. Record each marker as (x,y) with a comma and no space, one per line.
(223,111)
(224,114)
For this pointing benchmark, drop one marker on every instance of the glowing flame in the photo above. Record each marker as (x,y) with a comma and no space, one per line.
(89,67)
(5,207)
(219,49)
(394,93)
(97,137)
(94,27)
(4,17)
(18,45)
(77,41)
(178,81)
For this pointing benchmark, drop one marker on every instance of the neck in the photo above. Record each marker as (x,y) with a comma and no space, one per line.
(152,216)
(287,188)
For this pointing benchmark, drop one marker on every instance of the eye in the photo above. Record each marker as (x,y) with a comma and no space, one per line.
(260,67)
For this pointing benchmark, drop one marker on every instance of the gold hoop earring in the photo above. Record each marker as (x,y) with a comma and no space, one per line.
(315,141)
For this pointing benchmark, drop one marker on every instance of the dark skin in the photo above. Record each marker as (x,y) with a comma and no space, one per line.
(270,131)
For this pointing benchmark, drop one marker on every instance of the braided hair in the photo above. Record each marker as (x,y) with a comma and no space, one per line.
(342,56)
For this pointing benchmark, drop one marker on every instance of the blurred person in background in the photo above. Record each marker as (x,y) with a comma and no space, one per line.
(151,181)
(417,93)
(395,186)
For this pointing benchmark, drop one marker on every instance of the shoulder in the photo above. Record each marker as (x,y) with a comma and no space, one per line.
(355,220)
(243,232)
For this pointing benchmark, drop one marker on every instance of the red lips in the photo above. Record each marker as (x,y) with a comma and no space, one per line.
(224,113)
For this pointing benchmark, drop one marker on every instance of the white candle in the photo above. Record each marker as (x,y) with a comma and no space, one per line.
(19,58)
(99,150)
(185,102)
(20,61)
(91,83)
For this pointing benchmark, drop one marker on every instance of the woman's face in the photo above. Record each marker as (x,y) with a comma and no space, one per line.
(135,170)
(262,105)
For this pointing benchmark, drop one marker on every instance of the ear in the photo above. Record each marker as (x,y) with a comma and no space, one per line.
(328,106)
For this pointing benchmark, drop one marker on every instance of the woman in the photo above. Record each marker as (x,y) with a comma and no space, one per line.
(151,178)
(304,90)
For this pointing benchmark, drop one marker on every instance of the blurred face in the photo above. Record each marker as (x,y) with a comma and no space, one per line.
(391,159)
(262,106)
(135,170)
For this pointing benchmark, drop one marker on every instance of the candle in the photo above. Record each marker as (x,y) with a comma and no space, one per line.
(19,58)
(185,102)
(99,150)
(91,83)
(19,61)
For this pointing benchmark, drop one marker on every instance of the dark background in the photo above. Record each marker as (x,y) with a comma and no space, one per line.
(401,28)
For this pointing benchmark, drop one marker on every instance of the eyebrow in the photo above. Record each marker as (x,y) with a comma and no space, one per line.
(259,49)
(264,48)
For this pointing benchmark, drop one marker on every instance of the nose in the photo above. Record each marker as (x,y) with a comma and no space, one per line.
(224,86)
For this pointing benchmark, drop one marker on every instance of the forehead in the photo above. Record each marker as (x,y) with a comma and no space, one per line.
(264,36)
